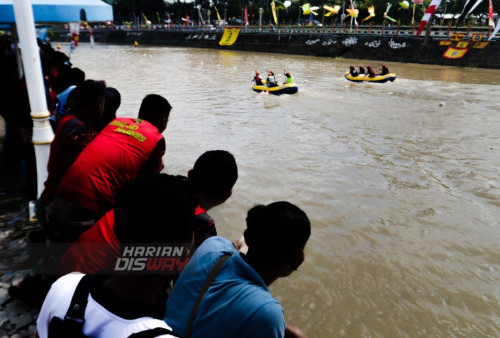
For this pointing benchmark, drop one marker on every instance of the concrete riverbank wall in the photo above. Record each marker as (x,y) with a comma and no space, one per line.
(388,47)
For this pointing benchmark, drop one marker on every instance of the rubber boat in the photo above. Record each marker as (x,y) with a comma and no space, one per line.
(379,78)
(288,88)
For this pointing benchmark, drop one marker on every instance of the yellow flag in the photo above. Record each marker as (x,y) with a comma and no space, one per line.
(371,12)
(477,37)
(229,36)
(455,53)
(480,44)
(273,9)
(331,10)
(462,44)
(352,12)
(218,15)
(306,9)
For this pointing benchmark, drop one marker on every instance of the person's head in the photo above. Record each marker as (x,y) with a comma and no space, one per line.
(68,76)
(351,67)
(86,101)
(111,103)
(155,208)
(256,73)
(276,235)
(155,109)
(76,76)
(213,176)
(288,74)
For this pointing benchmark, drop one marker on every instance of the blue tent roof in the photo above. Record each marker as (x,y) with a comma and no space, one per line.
(60,11)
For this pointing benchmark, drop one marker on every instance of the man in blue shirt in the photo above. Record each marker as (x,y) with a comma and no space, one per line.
(238,302)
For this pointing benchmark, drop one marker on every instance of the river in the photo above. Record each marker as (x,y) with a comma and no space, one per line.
(400,180)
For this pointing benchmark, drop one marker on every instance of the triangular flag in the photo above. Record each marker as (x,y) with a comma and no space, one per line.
(218,15)
(404,4)
(428,13)
(474,7)
(146,20)
(285,4)
(306,9)
(497,28)
(387,11)
(352,12)
(371,12)
(490,15)
(468,5)
(332,10)
(273,9)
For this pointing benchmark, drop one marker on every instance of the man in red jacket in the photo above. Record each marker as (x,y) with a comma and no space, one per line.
(74,132)
(124,149)
(212,179)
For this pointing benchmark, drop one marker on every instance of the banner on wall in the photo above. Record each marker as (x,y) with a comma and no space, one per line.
(229,37)
(462,44)
(455,53)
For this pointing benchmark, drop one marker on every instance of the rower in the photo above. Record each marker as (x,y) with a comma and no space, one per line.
(289,78)
(353,71)
(384,70)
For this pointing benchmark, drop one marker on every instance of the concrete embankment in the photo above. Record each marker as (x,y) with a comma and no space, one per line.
(389,48)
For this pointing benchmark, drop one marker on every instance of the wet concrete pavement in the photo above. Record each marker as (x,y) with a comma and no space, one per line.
(17,318)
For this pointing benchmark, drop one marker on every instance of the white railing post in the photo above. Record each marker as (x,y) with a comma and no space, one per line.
(42,131)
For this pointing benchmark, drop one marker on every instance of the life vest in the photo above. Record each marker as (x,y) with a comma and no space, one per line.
(116,156)
(289,79)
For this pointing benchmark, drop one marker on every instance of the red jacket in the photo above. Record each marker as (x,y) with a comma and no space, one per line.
(96,250)
(71,137)
(116,156)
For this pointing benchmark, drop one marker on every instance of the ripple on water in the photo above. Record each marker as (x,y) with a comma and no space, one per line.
(402,191)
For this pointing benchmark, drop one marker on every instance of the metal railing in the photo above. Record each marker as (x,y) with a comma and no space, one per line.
(403,31)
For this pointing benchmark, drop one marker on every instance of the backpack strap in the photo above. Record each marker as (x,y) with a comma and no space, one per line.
(158,331)
(76,310)
(72,325)
(210,278)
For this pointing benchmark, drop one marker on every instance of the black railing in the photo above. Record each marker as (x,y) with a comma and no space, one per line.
(436,31)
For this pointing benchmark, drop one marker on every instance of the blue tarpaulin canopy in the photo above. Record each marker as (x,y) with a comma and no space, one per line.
(61,11)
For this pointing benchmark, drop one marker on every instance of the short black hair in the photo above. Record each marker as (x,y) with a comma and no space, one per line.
(214,173)
(276,231)
(76,76)
(152,105)
(85,94)
(155,208)
(112,102)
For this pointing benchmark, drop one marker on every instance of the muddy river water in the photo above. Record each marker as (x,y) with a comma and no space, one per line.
(400,180)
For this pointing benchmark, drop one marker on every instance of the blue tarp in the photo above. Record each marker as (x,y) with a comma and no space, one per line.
(60,11)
